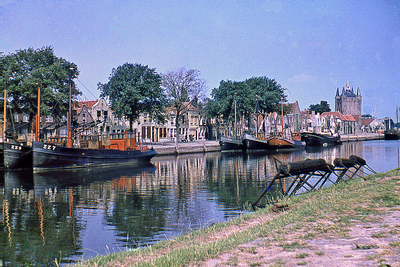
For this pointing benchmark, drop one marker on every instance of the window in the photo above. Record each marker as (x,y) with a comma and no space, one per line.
(98,113)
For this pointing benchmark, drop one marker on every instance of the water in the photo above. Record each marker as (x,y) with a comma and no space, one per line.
(69,216)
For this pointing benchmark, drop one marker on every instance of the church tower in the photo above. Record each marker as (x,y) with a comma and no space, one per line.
(348,102)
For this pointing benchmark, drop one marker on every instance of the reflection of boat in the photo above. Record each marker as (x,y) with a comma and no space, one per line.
(74,177)
(120,150)
(319,139)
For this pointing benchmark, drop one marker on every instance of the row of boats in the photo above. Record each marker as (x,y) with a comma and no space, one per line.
(273,142)
(111,150)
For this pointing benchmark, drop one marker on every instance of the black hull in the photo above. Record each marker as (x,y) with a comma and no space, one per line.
(250,142)
(17,156)
(231,144)
(392,135)
(49,156)
(314,139)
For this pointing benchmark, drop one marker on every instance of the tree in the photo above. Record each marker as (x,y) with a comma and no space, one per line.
(134,89)
(26,70)
(267,91)
(182,86)
(320,108)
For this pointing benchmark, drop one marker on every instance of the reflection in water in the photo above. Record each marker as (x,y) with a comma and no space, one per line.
(65,216)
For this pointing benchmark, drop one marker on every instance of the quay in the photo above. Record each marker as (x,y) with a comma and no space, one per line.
(361,137)
(168,148)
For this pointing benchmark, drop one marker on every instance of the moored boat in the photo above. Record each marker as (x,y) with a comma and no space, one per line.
(118,149)
(228,143)
(392,134)
(278,142)
(319,139)
(17,156)
(253,142)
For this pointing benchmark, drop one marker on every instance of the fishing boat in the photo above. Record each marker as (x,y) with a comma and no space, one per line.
(320,139)
(116,149)
(393,134)
(94,150)
(17,156)
(230,143)
(234,142)
(255,141)
(279,142)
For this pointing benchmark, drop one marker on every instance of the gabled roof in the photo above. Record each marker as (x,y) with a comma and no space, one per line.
(88,104)
(366,121)
(337,114)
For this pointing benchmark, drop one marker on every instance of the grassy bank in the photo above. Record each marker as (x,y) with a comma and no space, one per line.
(329,212)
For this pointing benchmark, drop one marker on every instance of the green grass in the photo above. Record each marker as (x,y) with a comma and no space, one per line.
(337,203)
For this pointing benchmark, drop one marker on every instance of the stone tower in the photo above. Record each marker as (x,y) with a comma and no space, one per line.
(348,103)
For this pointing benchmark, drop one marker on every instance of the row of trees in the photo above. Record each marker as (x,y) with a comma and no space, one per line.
(132,89)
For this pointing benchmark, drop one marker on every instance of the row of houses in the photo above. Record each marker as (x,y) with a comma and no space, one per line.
(96,117)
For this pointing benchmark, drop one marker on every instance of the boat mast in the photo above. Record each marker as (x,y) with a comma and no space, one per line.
(235,117)
(69,141)
(5,110)
(257,116)
(38,115)
(282,114)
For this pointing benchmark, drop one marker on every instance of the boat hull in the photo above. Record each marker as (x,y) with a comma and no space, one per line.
(392,135)
(17,156)
(227,143)
(314,139)
(49,156)
(251,142)
(279,143)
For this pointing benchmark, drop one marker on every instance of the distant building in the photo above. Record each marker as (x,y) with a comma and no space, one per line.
(349,103)
(372,125)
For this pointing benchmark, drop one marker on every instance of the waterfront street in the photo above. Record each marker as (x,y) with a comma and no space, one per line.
(168,148)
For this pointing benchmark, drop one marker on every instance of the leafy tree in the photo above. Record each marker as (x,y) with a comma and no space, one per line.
(266,91)
(182,86)
(320,108)
(134,89)
(26,69)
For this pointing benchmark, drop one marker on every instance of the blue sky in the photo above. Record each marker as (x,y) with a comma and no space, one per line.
(309,47)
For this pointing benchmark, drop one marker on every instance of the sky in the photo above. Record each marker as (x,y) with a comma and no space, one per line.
(311,48)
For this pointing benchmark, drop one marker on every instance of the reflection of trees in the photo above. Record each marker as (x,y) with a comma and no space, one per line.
(138,216)
(37,231)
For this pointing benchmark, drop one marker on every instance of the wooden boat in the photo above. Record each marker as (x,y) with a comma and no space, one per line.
(320,139)
(278,142)
(255,142)
(117,149)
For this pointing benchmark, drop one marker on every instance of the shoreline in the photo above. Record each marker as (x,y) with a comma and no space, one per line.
(168,148)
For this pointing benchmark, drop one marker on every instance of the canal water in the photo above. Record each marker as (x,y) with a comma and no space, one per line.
(65,217)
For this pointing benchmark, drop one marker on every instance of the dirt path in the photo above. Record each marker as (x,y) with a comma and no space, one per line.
(375,241)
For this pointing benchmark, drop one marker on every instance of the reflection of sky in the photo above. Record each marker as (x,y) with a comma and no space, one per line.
(97,236)
(381,155)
